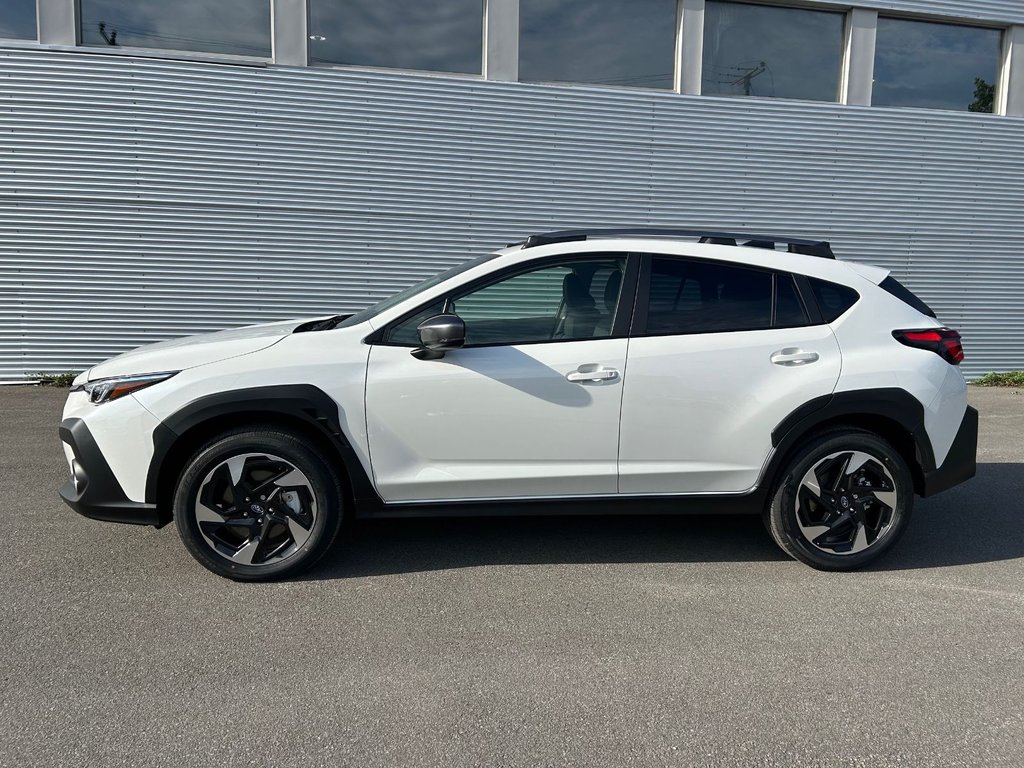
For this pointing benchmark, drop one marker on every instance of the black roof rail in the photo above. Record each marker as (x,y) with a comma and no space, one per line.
(819,248)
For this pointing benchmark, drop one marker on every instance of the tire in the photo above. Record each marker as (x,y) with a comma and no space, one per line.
(258,504)
(865,495)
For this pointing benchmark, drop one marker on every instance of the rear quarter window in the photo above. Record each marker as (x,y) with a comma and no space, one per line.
(904,294)
(833,299)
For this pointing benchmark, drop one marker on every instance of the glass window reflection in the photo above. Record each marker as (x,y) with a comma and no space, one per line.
(437,36)
(760,50)
(607,42)
(18,19)
(235,27)
(940,66)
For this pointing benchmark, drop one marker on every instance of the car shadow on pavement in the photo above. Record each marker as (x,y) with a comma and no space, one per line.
(981,521)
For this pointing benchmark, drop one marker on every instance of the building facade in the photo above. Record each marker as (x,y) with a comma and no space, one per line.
(175,168)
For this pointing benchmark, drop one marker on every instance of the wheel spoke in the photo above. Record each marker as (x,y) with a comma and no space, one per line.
(206,514)
(860,541)
(247,552)
(887,497)
(236,465)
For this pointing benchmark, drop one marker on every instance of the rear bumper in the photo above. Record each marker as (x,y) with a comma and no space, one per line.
(961,461)
(92,490)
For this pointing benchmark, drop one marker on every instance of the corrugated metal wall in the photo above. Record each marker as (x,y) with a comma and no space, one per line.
(997,11)
(143,199)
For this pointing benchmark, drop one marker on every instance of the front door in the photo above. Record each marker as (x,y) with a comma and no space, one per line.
(528,408)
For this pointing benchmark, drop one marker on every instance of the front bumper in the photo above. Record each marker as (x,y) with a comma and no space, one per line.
(961,461)
(93,491)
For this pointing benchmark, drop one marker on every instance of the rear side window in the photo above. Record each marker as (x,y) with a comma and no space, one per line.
(833,300)
(695,297)
(901,292)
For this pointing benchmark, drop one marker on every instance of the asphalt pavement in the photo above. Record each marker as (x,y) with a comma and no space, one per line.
(513,642)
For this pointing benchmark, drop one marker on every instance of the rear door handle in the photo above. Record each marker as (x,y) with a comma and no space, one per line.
(581,375)
(792,356)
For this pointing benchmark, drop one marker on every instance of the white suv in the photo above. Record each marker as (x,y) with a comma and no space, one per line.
(624,371)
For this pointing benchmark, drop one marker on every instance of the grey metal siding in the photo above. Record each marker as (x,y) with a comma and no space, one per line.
(144,199)
(994,11)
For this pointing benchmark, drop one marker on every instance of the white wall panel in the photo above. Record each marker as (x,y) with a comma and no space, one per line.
(142,199)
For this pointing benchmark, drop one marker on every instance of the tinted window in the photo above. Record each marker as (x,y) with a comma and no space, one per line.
(760,50)
(833,300)
(574,300)
(608,42)
(942,66)
(439,36)
(238,27)
(695,297)
(789,310)
(898,290)
(18,19)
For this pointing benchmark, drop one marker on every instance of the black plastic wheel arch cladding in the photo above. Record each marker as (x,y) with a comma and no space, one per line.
(304,402)
(890,403)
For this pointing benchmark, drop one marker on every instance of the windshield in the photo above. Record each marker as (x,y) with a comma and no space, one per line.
(371,312)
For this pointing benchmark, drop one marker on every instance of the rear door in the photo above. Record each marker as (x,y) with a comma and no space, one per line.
(720,354)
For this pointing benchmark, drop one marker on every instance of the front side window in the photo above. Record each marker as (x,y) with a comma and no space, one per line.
(939,66)
(235,27)
(18,19)
(761,50)
(567,301)
(436,36)
(605,42)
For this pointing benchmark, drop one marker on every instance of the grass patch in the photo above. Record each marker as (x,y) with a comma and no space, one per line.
(1009,379)
(53,379)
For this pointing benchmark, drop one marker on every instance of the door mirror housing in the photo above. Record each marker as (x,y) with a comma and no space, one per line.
(439,334)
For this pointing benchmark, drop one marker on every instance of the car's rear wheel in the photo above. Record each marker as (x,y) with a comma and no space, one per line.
(258,504)
(844,499)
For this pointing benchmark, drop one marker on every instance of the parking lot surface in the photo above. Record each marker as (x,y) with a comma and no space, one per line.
(528,642)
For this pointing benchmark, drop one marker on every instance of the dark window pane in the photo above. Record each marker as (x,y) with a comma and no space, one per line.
(941,66)
(18,19)
(236,27)
(693,297)
(789,310)
(833,300)
(904,294)
(760,50)
(609,42)
(438,36)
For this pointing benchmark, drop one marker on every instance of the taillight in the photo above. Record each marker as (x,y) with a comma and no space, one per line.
(945,342)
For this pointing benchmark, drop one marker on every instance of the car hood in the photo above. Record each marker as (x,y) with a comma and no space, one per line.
(191,351)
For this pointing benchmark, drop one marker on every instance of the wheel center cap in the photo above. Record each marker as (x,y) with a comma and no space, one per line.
(844,502)
(257,509)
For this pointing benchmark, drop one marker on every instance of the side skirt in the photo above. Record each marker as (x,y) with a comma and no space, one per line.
(745,504)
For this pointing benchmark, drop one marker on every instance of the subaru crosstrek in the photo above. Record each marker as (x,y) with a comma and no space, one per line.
(625,371)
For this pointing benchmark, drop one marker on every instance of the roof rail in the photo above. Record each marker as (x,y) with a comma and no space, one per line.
(819,248)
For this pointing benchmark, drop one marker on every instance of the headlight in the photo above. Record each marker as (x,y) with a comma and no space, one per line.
(103,390)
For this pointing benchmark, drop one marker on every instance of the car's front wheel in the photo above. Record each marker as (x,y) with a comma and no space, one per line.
(843,500)
(257,504)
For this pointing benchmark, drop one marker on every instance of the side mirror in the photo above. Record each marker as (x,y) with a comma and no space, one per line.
(439,334)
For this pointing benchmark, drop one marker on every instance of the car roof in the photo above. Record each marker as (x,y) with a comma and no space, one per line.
(767,258)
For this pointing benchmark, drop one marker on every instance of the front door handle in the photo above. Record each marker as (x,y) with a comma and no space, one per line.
(583,375)
(791,356)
